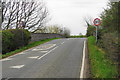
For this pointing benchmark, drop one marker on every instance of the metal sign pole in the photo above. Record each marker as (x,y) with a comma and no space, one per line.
(96,33)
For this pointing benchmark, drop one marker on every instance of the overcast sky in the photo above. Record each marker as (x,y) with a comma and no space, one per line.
(71,13)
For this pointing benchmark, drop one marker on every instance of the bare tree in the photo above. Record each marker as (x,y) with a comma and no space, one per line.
(54,29)
(88,20)
(22,14)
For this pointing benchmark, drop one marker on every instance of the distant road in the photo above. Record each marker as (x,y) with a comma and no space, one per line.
(61,58)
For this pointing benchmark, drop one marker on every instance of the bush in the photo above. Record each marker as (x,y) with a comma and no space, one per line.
(7,41)
(13,39)
(109,41)
(91,30)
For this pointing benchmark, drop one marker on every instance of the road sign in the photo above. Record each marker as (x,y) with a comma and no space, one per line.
(97,21)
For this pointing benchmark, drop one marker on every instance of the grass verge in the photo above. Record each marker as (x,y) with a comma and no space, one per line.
(101,67)
(27,47)
(82,36)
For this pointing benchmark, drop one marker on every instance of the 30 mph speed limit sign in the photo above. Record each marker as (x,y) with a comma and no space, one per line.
(97,21)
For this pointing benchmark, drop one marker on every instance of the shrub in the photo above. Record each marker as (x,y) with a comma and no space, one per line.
(91,30)
(110,44)
(13,39)
(7,41)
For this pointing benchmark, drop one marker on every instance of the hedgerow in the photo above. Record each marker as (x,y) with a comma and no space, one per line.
(13,39)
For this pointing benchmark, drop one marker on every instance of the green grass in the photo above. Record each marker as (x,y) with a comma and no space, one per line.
(82,36)
(101,67)
(27,47)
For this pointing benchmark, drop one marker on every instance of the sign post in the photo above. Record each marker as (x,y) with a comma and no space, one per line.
(97,22)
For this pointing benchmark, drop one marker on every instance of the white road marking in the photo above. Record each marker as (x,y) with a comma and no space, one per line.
(7,59)
(22,53)
(62,42)
(33,57)
(18,54)
(47,53)
(37,49)
(52,46)
(83,62)
(68,39)
(18,66)
(44,51)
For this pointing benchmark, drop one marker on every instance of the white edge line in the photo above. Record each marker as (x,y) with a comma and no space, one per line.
(47,53)
(6,59)
(83,61)
(19,53)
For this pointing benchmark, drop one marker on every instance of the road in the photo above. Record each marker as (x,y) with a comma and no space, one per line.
(61,58)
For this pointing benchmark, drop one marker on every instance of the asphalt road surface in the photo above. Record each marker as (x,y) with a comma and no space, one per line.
(61,58)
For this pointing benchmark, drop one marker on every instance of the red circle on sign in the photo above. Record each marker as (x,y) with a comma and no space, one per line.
(97,21)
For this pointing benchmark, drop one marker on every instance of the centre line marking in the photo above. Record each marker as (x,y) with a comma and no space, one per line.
(18,66)
(83,62)
(47,53)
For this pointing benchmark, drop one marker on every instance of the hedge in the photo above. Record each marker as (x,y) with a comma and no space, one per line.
(13,39)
